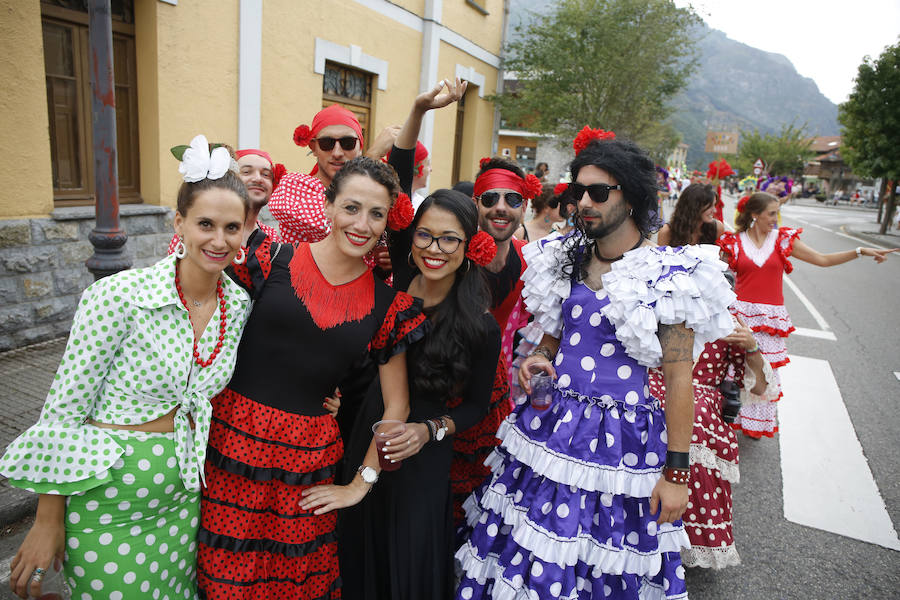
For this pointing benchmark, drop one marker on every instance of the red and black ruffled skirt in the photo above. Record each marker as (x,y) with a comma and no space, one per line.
(254,540)
(472,446)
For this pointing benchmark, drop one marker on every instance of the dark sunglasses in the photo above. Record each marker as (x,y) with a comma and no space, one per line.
(489,199)
(327,143)
(599,192)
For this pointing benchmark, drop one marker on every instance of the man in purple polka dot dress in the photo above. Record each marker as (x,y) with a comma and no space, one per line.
(585,497)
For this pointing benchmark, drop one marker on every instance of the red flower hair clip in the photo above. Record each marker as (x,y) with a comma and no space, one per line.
(401,213)
(560,188)
(742,203)
(587,135)
(532,187)
(420,169)
(482,249)
(483,162)
(278,172)
(302,135)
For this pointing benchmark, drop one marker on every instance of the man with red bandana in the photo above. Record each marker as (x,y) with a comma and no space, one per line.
(256,170)
(501,193)
(334,137)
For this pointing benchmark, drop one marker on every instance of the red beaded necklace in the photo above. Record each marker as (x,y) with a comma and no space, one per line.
(220,292)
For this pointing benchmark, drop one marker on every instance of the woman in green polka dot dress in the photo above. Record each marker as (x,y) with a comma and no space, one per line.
(117,453)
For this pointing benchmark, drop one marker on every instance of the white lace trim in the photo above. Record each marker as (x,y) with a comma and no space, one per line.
(643,295)
(702,455)
(757,314)
(568,470)
(710,558)
(760,255)
(544,290)
(565,551)
(772,388)
(488,568)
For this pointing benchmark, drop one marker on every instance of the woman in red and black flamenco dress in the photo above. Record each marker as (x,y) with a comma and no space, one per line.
(758,252)
(268,520)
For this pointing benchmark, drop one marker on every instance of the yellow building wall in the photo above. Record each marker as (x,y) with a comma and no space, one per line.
(26,187)
(413,6)
(510,143)
(483,30)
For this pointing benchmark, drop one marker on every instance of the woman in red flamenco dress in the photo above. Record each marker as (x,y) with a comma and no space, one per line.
(758,252)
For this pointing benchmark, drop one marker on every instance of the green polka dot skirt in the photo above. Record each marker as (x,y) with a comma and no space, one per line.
(135,537)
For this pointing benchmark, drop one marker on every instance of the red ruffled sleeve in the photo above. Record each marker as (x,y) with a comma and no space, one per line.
(404,324)
(252,274)
(785,244)
(728,243)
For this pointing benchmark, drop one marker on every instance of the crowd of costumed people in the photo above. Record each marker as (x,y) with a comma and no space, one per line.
(397,393)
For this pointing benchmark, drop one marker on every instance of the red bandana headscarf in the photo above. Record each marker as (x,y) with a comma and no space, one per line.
(242,153)
(330,115)
(492,179)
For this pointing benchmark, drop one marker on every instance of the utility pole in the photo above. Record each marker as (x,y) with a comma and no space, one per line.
(107,237)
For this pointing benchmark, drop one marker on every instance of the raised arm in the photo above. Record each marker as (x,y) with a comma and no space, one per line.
(814,257)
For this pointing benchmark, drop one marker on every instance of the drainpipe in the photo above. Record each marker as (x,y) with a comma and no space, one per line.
(431,47)
(495,137)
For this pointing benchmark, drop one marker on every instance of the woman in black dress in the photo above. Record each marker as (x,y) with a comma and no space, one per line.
(398,543)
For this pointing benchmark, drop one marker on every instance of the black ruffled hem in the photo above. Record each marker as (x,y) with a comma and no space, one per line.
(232,544)
(253,473)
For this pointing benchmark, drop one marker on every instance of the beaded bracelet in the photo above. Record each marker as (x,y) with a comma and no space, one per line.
(543,351)
(752,350)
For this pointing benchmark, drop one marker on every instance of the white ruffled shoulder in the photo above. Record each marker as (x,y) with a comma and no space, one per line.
(667,285)
(544,289)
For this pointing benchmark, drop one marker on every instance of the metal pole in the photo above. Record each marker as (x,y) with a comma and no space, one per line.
(107,237)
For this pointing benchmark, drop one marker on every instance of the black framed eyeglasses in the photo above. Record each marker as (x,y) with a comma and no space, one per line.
(513,199)
(447,244)
(348,143)
(599,192)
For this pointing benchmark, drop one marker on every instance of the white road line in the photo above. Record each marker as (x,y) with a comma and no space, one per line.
(840,233)
(897,375)
(815,333)
(826,479)
(823,324)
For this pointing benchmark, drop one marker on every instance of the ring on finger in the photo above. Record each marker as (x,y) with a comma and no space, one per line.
(37,574)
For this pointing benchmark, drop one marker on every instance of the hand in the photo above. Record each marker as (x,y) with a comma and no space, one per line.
(383,143)
(333,403)
(328,497)
(741,336)
(534,364)
(43,543)
(877,253)
(670,499)
(407,443)
(383,258)
(433,98)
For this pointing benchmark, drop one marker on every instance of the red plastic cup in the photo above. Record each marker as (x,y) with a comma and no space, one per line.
(385,431)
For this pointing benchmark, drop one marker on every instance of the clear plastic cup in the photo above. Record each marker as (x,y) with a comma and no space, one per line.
(541,391)
(53,585)
(385,431)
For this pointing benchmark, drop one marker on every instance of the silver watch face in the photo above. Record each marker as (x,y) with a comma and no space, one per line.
(439,435)
(368,474)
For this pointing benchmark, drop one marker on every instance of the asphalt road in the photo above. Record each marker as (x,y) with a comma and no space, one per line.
(783,560)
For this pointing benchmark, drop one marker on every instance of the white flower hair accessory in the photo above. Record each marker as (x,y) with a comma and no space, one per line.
(198,163)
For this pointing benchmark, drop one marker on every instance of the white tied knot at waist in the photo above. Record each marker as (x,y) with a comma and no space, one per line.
(190,445)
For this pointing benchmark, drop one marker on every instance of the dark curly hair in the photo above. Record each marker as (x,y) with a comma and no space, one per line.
(379,172)
(694,200)
(439,365)
(543,200)
(188,191)
(636,173)
(498,162)
(756,204)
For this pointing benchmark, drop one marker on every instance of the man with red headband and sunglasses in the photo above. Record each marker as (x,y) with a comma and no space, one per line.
(334,137)
(258,172)
(501,193)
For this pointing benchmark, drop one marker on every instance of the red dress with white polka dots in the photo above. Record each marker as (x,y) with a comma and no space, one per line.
(271,438)
(714,458)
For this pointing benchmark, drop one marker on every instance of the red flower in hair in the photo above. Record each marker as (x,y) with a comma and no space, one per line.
(560,188)
(401,213)
(277,173)
(532,186)
(482,249)
(742,203)
(718,170)
(483,162)
(302,135)
(419,170)
(587,135)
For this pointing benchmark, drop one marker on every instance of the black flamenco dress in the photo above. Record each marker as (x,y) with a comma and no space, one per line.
(271,438)
(398,543)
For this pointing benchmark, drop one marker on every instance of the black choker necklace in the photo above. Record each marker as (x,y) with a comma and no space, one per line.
(609,260)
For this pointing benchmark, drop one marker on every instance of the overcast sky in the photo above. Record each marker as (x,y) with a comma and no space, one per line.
(825,39)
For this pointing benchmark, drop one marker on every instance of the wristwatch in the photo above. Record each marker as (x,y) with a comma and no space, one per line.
(441,430)
(369,475)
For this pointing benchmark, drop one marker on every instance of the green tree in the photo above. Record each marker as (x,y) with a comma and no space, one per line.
(871,123)
(613,64)
(784,153)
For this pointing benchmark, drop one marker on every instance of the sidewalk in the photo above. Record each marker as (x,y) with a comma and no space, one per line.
(27,374)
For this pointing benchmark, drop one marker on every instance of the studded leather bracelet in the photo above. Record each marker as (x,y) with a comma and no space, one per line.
(677,476)
(678,460)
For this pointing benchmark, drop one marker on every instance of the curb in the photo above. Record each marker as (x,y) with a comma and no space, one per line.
(889,240)
(15,504)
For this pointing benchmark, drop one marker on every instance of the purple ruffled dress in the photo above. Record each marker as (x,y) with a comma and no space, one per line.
(566,512)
